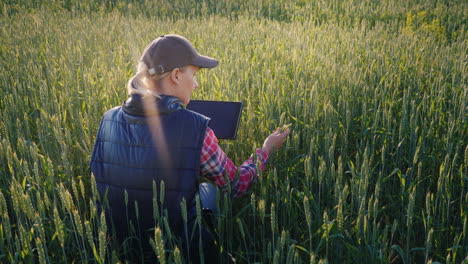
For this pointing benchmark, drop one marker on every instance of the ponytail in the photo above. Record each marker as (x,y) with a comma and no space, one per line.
(138,83)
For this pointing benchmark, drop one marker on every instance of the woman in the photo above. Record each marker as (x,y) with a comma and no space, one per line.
(152,139)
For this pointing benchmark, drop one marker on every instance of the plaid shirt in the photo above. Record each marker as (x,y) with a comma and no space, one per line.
(217,167)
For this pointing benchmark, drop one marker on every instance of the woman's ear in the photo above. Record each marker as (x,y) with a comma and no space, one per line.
(175,75)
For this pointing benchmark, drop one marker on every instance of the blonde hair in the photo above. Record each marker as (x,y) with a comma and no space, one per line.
(138,84)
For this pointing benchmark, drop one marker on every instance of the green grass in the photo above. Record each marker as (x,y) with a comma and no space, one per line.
(375,169)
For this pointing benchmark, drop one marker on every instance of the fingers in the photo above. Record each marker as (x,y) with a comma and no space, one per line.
(286,132)
(276,139)
(283,133)
(281,130)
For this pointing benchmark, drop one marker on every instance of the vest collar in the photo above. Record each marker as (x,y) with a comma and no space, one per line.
(166,104)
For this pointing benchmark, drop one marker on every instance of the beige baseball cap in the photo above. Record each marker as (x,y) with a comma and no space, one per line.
(173,51)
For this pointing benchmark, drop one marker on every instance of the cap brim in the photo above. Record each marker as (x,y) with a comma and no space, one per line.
(205,62)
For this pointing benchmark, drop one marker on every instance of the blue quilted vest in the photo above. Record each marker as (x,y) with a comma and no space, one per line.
(128,156)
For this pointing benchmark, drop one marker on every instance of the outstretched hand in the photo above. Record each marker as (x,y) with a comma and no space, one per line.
(275,140)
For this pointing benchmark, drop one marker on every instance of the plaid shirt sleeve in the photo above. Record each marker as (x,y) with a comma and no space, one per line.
(217,167)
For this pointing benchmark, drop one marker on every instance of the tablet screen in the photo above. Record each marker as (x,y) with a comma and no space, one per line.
(224,116)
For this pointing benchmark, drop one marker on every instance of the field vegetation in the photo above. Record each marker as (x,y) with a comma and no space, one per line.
(374,171)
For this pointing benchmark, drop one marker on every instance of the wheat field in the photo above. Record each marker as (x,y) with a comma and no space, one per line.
(374,171)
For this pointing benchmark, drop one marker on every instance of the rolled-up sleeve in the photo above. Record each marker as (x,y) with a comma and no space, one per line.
(217,167)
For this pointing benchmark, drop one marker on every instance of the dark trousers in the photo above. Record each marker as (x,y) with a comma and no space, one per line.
(141,250)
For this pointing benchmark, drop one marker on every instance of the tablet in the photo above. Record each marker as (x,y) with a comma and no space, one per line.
(224,116)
